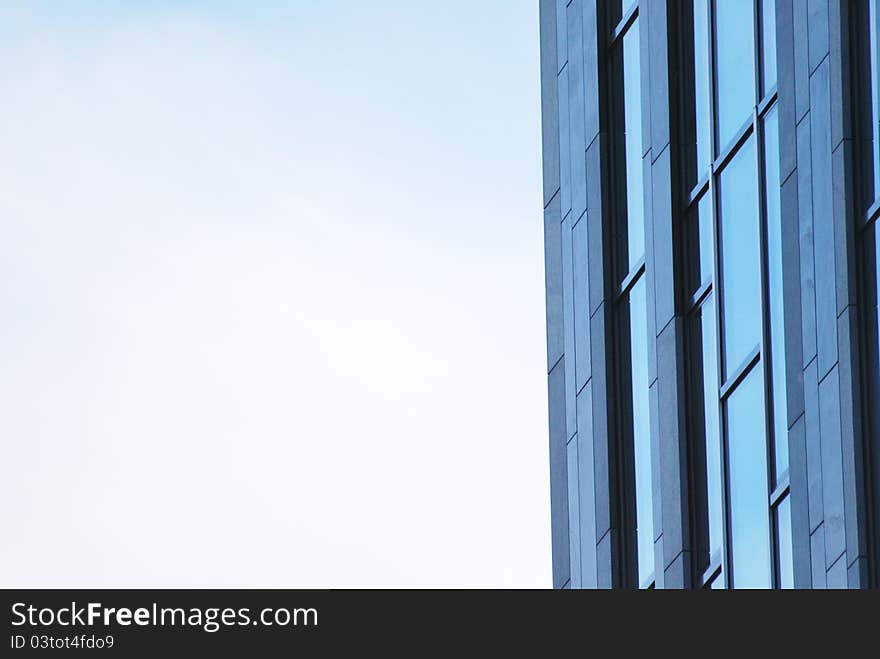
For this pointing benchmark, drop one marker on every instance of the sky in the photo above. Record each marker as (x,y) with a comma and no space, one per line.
(272,286)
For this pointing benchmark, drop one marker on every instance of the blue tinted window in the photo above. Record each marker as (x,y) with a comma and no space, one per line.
(735,66)
(701,85)
(641,431)
(714,500)
(740,258)
(876,230)
(707,250)
(632,116)
(768,43)
(783,543)
(748,495)
(774,282)
(874,28)
(700,244)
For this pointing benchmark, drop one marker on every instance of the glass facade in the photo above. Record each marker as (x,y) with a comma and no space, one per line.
(732,228)
(737,545)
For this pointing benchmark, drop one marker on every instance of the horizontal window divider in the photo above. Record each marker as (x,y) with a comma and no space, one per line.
(733,146)
(712,571)
(741,372)
(699,189)
(781,490)
(700,295)
(873,212)
(767,102)
(628,19)
(630,280)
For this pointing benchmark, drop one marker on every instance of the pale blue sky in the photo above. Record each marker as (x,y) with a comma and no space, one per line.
(272,285)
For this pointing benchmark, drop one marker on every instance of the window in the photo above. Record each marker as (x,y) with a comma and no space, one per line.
(734,67)
(733,270)
(747,460)
(641,431)
(872,134)
(867,120)
(629,237)
(740,258)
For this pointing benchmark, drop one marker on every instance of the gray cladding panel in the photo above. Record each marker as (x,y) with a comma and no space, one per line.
(558,476)
(549,100)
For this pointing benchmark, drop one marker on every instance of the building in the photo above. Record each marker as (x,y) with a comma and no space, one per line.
(711,189)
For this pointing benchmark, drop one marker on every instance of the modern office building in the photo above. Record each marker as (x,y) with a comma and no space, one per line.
(711,194)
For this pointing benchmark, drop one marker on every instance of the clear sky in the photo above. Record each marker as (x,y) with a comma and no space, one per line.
(271,277)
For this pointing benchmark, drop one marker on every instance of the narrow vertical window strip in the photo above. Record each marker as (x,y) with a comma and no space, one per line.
(702,120)
(774,284)
(630,232)
(641,432)
(874,38)
(747,464)
(632,103)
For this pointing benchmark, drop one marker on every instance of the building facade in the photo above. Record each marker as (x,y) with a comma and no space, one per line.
(711,174)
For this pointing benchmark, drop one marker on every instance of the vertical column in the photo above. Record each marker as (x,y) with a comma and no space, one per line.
(576,339)
(826,440)
(554,296)
(570,111)
(599,392)
(662,159)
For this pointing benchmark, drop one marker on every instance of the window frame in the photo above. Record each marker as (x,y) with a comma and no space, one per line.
(865,74)
(625,278)
(705,185)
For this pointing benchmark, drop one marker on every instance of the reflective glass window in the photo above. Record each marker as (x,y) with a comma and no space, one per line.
(740,258)
(783,543)
(700,244)
(702,119)
(713,466)
(874,32)
(748,492)
(632,126)
(768,44)
(641,430)
(735,67)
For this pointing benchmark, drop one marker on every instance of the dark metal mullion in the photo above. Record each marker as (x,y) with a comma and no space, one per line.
(765,346)
(631,278)
(720,437)
(866,97)
(623,25)
(623,452)
(758,34)
(742,371)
